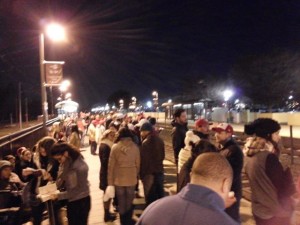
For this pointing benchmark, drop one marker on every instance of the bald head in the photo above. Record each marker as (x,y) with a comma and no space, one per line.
(211,167)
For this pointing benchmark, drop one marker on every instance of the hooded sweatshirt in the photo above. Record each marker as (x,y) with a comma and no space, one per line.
(124,163)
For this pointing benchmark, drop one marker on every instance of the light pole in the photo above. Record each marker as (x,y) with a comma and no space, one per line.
(56,33)
(227,94)
(155,99)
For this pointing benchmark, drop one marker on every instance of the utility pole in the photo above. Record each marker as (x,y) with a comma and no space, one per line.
(26,109)
(20,107)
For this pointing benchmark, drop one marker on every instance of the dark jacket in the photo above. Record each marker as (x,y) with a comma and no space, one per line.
(201,135)
(184,174)
(152,155)
(20,165)
(193,205)
(235,157)
(178,135)
(104,152)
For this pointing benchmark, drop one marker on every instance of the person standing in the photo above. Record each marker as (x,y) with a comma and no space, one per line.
(233,153)
(152,169)
(92,136)
(202,129)
(271,185)
(74,173)
(123,170)
(75,137)
(178,132)
(104,153)
(200,202)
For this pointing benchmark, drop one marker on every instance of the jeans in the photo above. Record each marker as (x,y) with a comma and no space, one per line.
(78,211)
(125,197)
(153,187)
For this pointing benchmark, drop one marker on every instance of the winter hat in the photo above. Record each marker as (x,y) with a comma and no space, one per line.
(190,137)
(146,127)
(262,127)
(223,127)
(4,163)
(202,123)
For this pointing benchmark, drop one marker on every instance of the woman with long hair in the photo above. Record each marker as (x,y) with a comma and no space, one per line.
(73,173)
(123,170)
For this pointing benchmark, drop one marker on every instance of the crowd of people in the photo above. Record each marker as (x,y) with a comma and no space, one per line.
(209,182)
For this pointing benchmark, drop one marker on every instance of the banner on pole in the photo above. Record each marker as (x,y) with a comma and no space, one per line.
(54,73)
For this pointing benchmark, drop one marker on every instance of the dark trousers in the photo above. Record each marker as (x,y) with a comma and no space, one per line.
(234,210)
(78,211)
(93,147)
(272,221)
(153,187)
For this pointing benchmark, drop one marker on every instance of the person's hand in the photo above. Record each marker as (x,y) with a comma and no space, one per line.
(27,171)
(230,200)
(53,196)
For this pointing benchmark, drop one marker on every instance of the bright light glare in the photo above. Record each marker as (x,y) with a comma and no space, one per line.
(170,100)
(154,93)
(64,85)
(290,97)
(149,104)
(56,32)
(227,95)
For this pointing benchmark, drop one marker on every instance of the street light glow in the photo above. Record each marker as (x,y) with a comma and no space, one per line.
(64,85)
(227,95)
(56,32)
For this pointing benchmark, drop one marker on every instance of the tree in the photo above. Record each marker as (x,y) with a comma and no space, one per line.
(267,79)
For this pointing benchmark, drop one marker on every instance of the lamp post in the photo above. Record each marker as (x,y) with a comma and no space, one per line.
(155,99)
(56,33)
(227,94)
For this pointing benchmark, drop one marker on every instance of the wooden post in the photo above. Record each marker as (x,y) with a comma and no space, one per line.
(292,144)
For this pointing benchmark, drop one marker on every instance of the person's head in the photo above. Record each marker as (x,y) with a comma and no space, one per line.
(108,134)
(62,151)
(146,129)
(224,131)
(26,155)
(202,125)
(180,116)
(152,121)
(265,128)
(124,132)
(74,128)
(5,169)
(44,145)
(201,147)
(11,159)
(213,171)
(114,126)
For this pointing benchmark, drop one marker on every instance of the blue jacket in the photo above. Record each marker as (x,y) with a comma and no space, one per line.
(193,205)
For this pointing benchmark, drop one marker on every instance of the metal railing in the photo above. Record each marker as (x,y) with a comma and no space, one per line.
(26,137)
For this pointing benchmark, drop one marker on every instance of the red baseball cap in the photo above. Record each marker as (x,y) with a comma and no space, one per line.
(223,127)
(202,122)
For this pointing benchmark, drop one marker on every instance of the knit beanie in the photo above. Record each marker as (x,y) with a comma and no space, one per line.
(262,127)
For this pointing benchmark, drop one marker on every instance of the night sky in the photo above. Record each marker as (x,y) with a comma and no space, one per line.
(140,46)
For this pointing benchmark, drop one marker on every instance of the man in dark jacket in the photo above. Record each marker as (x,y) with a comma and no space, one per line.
(234,155)
(152,170)
(179,130)
(200,202)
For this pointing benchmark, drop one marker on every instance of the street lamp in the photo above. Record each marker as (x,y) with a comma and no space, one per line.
(155,99)
(56,33)
(121,102)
